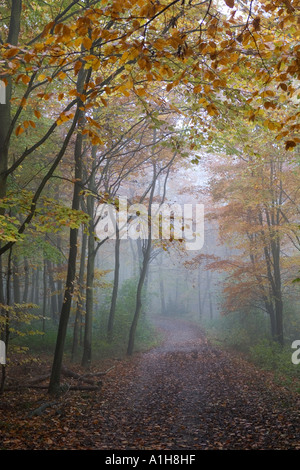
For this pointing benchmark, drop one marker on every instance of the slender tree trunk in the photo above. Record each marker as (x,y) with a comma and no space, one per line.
(90,274)
(37,287)
(145,262)
(53,297)
(6,331)
(278,292)
(26,280)
(32,292)
(211,313)
(138,300)
(54,385)
(162,294)
(161,286)
(134,260)
(16,281)
(2,282)
(44,294)
(177,290)
(79,307)
(112,312)
(5,109)
(199,292)
(87,342)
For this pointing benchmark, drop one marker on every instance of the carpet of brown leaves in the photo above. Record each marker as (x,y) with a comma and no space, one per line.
(185,394)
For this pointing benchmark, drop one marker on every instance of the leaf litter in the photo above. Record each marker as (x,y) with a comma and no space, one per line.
(183,395)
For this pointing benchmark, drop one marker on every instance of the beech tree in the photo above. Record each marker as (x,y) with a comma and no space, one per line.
(67,67)
(255,198)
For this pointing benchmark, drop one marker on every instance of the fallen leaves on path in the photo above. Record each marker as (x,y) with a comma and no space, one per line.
(184,395)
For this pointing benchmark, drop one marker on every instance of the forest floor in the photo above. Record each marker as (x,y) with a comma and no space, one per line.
(185,394)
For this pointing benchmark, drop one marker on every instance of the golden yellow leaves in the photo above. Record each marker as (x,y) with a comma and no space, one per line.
(64,117)
(124,89)
(129,55)
(272,125)
(145,63)
(39,46)
(87,43)
(41,77)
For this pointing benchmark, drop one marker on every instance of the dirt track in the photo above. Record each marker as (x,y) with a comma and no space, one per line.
(183,395)
(189,395)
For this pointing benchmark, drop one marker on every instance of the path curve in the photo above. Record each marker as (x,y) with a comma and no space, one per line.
(186,394)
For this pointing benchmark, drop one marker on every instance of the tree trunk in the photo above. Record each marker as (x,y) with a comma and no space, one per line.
(44,294)
(16,281)
(143,272)
(54,385)
(162,294)
(26,280)
(53,297)
(199,293)
(5,109)
(112,312)
(87,342)
(37,287)
(6,332)
(79,307)
(60,287)
(278,291)
(90,274)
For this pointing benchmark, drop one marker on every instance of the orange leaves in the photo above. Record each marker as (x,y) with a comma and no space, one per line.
(130,54)
(144,63)
(64,117)
(229,3)
(77,66)
(103,100)
(45,96)
(283,86)
(94,138)
(87,43)
(24,78)
(26,124)
(290,145)
(20,129)
(11,52)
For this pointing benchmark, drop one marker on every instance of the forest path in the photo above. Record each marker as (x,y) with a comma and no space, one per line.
(183,395)
(189,395)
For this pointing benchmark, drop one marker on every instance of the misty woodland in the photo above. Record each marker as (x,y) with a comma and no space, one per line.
(149,226)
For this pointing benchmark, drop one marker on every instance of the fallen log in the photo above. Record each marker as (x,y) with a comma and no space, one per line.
(69,373)
(35,380)
(38,411)
(31,383)
(69,387)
